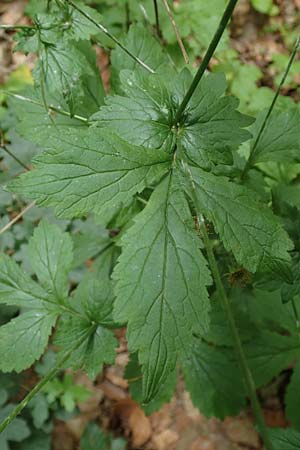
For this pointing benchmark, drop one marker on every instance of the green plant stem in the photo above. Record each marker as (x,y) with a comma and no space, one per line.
(249,382)
(127,13)
(207,57)
(12,155)
(51,374)
(157,26)
(50,107)
(265,121)
(111,36)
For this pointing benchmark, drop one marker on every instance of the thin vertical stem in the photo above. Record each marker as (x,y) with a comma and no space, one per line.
(207,57)
(267,117)
(127,13)
(157,26)
(12,155)
(241,357)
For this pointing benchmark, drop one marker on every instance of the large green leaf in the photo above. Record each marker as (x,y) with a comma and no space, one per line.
(90,170)
(247,228)
(161,284)
(209,131)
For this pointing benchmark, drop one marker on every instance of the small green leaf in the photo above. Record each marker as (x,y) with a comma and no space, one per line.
(51,256)
(93,438)
(93,303)
(16,287)
(280,139)
(17,431)
(39,410)
(24,339)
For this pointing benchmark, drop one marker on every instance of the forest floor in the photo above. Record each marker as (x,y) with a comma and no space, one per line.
(178,425)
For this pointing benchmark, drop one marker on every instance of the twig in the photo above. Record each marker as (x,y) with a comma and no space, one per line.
(15,219)
(179,40)
(111,36)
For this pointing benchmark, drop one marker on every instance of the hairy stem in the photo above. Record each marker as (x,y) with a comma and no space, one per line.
(51,374)
(111,36)
(241,357)
(264,124)
(157,26)
(207,57)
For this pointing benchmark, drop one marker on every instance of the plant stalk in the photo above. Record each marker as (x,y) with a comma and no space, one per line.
(51,374)
(12,155)
(267,117)
(157,25)
(241,357)
(111,36)
(207,57)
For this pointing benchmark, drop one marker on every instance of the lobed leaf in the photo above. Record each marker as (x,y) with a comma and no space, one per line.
(24,339)
(161,284)
(90,170)
(247,228)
